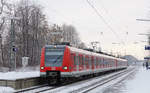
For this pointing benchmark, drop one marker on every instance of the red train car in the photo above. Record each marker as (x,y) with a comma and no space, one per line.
(58,61)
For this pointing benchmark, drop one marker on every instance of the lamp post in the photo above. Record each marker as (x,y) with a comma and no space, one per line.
(12,46)
(118,52)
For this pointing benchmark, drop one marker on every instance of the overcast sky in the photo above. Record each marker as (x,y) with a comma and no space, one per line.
(121,15)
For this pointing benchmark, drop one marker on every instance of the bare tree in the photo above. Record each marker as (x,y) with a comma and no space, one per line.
(32,32)
(5,10)
(70,35)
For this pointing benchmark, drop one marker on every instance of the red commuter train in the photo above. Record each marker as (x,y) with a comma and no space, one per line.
(63,61)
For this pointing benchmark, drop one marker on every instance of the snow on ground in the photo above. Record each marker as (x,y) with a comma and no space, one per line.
(15,75)
(75,86)
(109,87)
(138,82)
(141,82)
(6,90)
(18,75)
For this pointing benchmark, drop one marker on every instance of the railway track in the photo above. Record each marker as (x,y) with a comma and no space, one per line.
(53,89)
(102,82)
(86,88)
(36,88)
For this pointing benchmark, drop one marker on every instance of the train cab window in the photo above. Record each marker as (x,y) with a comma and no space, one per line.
(54,55)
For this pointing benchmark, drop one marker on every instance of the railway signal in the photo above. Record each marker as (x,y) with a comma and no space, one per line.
(12,44)
(147,47)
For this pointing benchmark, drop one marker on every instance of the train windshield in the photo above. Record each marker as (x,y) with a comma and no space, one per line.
(54,55)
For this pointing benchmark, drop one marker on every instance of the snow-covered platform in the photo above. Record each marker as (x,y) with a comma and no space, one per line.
(20,80)
(140,83)
(18,75)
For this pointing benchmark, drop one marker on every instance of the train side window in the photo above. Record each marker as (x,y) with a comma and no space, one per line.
(84,60)
(80,60)
(97,61)
(77,60)
(104,61)
(100,61)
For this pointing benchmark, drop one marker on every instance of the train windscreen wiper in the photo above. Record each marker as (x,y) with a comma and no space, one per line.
(57,58)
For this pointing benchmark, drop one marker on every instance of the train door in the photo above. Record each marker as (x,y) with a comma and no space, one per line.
(87,62)
(84,63)
(116,63)
(103,63)
(113,63)
(72,61)
(92,62)
(77,62)
(98,63)
(80,62)
(108,63)
(73,57)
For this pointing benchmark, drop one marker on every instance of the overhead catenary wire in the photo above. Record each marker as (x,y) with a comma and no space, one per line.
(64,16)
(102,18)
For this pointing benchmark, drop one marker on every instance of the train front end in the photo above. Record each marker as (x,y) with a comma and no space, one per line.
(52,57)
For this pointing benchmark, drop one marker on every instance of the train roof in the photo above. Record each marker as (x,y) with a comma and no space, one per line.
(93,53)
(85,51)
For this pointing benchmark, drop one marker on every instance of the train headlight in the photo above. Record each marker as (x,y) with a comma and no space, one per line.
(65,68)
(42,68)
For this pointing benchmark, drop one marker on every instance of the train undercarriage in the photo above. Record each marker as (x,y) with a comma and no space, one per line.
(54,77)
